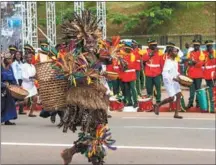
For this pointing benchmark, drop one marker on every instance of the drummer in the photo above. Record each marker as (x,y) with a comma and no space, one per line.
(170,74)
(28,75)
(8,108)
(210,68)
(195,62)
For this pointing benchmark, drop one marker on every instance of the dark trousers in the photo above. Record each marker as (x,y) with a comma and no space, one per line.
(142,79)
(210,84)
(197,82)
(116,84)
(130,92)
(138,83)
(150,83)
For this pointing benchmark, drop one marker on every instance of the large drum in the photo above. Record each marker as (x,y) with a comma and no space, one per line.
(18,92)
(202,98)
(145,104)
(185,81)
(116,105)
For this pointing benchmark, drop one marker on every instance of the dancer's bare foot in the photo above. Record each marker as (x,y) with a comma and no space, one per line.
(156,109)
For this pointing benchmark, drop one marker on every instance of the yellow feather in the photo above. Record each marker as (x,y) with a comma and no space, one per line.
(89,80)
(74,81)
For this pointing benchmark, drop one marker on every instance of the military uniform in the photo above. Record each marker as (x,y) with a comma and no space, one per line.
(195,71)
(128,77)
(137,66)
(209,71)
(142,75)
(114,84)
(153,68)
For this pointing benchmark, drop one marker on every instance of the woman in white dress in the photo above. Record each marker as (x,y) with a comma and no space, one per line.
(17,69)
(28,75)
(170,78)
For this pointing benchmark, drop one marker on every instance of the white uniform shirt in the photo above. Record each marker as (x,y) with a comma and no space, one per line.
(28,70)
(17,69)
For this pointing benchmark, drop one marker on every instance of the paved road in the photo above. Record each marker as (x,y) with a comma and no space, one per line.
(142,138)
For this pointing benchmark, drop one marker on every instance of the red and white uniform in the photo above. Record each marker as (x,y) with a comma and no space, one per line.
(129,74)
(137,63)
(209,66)
(196,70)
(154,65)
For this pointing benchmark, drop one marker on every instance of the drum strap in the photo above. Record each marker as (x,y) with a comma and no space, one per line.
(212,76)
(175,98)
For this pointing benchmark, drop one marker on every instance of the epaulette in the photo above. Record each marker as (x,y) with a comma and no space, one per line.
(202,56)
(160,53)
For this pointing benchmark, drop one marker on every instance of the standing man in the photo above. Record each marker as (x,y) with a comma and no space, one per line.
(184,58)
(137,65)
(210,70)
(142,75)
(195,61)
(128,77)
(153,68)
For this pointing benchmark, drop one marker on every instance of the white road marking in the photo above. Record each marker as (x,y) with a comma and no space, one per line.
(120,147)
(167,118)
(155,127)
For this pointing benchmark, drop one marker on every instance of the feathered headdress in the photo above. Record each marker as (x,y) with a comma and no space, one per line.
(82,28)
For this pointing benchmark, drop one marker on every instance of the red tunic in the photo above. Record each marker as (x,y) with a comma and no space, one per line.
(137,64)
(196,70)
(130,74)
(154,65)
(210,66)
(114,67)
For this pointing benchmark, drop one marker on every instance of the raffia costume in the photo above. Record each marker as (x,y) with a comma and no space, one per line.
(86,99)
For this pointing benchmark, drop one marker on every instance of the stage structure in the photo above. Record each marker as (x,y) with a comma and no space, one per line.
(101,14)
(51,22)
(78,7)
(29,23)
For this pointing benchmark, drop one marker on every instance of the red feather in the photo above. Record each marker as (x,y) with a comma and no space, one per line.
(115,40)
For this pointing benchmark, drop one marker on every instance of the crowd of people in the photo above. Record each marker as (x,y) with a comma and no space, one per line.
(144,69)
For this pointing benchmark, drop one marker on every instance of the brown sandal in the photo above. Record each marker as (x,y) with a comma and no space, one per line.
(31,115)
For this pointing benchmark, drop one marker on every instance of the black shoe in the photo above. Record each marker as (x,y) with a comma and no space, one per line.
(31,115)
(22,113)
(9,123)
(109,116)
(178,117)
(156,109)
(129,104)
(135,105)
(53,118)
(189,106)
